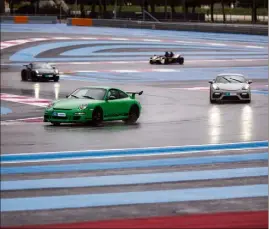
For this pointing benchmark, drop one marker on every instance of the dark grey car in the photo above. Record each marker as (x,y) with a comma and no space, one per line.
(40,72)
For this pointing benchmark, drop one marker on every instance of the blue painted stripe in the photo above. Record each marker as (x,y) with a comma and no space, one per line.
(125,198)
(133,179)
(134,164)
(260,92)
(130,152)
(5,110)
(144,33)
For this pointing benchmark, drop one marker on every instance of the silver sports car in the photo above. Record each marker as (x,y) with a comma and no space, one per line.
(230,87)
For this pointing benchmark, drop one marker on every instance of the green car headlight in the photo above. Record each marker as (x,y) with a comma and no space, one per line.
(83,106)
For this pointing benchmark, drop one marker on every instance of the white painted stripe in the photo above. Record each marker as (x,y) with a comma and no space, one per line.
(187,42)
(119,39)
(152,40)
(241,60)
(190,88)
(164,70)
(33,104)
(254,46)
(39,39)
(211,60)
(39,104)
(86,38)
(59,63)
(5,45)
(119,62)
(61,38)
(25,100)
(87,71)
(124,71)
(21,41)
(9,123)
(216,44)
(99,62)
(23,119)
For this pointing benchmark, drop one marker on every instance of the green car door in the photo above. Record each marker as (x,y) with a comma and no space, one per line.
(116,105)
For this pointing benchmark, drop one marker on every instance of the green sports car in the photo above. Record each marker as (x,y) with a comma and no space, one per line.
(94,105)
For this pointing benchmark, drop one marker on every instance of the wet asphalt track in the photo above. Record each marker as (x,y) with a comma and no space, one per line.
(171,116)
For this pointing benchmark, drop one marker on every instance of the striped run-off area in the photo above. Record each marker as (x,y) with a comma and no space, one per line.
(112,187)
(25,100)
(12,43)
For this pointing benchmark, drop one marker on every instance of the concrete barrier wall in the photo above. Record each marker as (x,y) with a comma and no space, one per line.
(181,26)
(29,19)
(79,21)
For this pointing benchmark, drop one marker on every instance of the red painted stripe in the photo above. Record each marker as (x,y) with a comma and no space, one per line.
(13,97)
(257,220)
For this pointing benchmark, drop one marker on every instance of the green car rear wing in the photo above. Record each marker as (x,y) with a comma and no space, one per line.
(134,93)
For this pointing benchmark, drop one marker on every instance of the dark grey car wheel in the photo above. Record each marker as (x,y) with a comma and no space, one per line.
(133,115)
(34,77)
(97,117)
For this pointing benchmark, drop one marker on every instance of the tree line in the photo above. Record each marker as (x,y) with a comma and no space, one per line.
(150,5)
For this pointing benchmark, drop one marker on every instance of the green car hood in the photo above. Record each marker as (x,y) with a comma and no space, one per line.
(74,103)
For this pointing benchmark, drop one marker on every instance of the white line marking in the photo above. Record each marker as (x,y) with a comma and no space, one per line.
(61,38)
(39,39)
(164,70)
(86,38)
(216,44)
(119,62)
(188,42)
(124,71)
(25,100)
(87,71)
(190,88)
(119,39)
(23,119)
(21,41)
(253,46)
(152,40)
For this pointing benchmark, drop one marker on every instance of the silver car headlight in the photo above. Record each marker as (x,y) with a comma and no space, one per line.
(215,87)
(56,71)
(83,106)
(37,71)
(246,87)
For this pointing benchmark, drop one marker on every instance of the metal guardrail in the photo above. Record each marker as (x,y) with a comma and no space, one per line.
(179,26)
(147,13)
(185,26)
(29,19)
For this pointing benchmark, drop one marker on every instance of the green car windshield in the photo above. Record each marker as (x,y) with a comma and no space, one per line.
(88,93)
